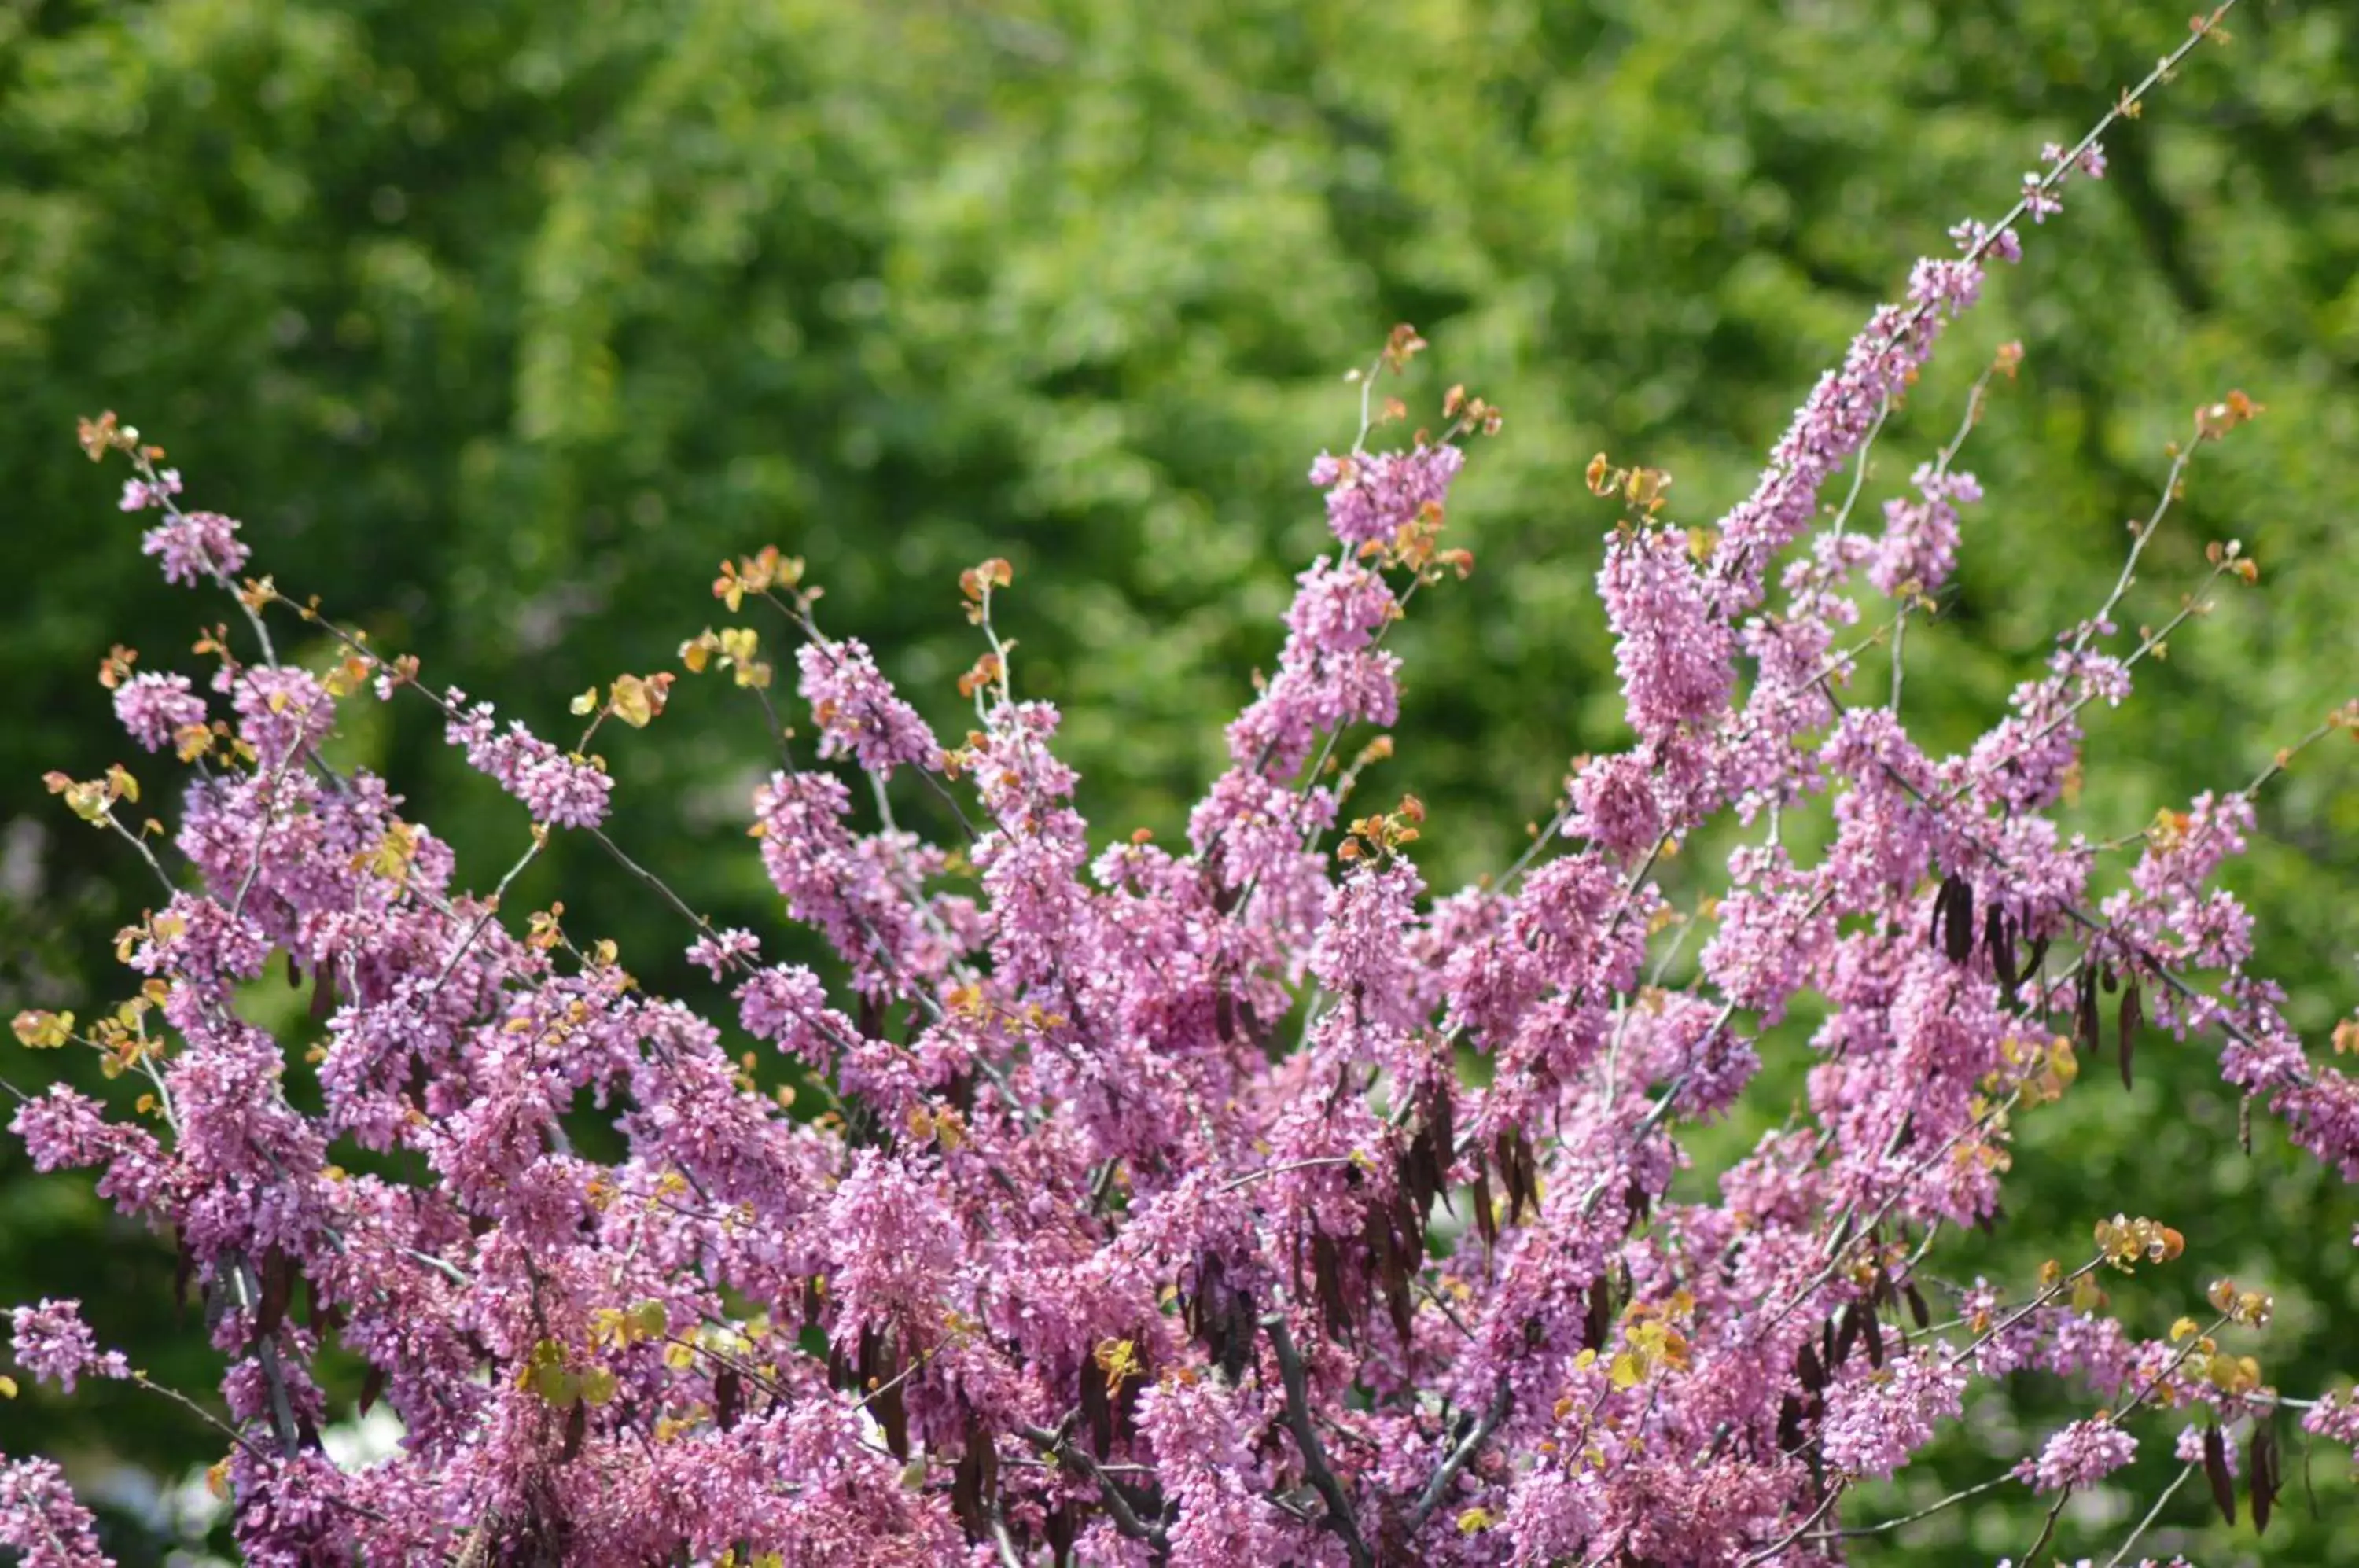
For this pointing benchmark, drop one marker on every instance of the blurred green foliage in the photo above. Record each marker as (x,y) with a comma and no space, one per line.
(500,323)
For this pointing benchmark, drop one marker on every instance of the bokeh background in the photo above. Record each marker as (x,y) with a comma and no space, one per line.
(500,323)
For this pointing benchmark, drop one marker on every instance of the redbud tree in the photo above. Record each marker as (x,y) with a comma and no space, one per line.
(1231,1203)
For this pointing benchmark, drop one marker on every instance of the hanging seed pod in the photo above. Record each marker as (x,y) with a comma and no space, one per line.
(1808,1370)
(1237,1343)
(1954,919)
(2262,1475)
(728,1396)
(1918,1311)
(2085,1013)
(1598,1321)
(1961,944)
(892,1411)
(1486,1221)
(1097,1410)
(1999,943)
(2215,1470)
(2133,1014)
(577,1427)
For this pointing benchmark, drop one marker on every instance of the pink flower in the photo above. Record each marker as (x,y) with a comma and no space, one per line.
(1371,496)
(52,1342)
(40,1519)
(195,547)
(155,708)
(858,713)
(2083,1453)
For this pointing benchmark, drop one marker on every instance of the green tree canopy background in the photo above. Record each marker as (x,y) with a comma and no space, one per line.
(499,324)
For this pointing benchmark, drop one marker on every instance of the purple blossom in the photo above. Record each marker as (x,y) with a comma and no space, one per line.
(1920,535)
(155,708)
(53,1343)
(1371,496)
(557,788)
(1103,1170)
(2085,1453)
(858,713)
(138,495)
(40,1519)
(195,547)
(1674,658)
(1876,1419)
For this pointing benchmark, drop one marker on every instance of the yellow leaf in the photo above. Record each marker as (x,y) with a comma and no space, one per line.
(7,1386)
(87,801)
(586,702)
(39,1030)
(1626,1370)
(1474,1521)
(632,701)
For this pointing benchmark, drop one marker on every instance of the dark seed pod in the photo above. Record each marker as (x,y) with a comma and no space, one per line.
(1872,1330)
(1789,1423)
(1845,1337)
(1919,1313)
(372,1385)
(728,1396)
(1486,1222)
(278,1280)
(2133,1014)
(893,1413)
(1598,1322)
(2085,1013)
(966,1496)
(1237,1352)
(2215,1470)
(1999,943)
(1960,942)
(1808,1370)
(2262,1475)
(1097,1411)
(577,1427)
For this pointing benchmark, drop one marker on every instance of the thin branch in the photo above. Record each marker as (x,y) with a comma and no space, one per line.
(1461,1456)
(1339,1517)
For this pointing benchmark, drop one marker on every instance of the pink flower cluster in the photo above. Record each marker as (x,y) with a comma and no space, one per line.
(51,1342)
(1371,496)
(1133,1204)
(565,791)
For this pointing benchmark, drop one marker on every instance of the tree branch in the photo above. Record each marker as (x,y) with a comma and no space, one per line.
(1322,1476)
(1462,1455)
